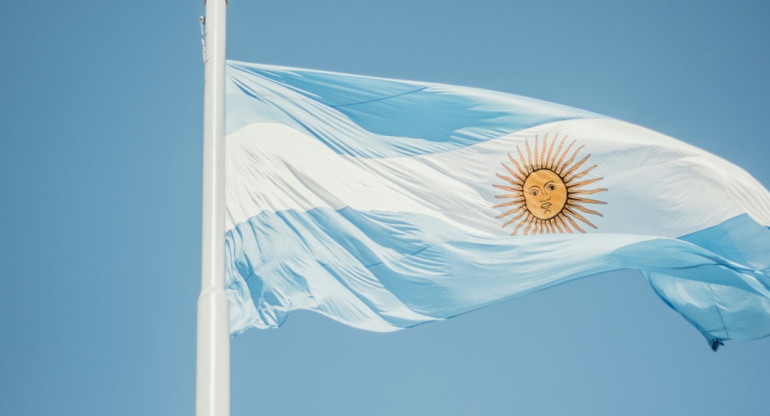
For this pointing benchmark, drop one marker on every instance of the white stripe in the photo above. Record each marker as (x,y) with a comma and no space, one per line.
(657,185)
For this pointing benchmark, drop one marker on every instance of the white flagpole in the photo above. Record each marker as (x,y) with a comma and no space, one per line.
(212,379)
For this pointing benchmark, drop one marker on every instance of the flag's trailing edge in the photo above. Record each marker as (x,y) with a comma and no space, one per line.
(384,204)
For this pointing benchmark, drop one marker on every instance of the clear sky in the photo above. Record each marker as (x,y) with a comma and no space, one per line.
(100,167)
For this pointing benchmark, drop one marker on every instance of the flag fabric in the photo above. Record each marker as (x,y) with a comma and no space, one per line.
(384,204)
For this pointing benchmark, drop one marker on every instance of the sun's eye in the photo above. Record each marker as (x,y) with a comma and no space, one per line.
(534,192)
(551,187)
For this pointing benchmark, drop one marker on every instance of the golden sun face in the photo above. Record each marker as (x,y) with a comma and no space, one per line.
(544,193)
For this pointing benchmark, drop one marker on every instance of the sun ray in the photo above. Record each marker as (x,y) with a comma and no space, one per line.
(534,151)
(555,155)
(518,194)
(523,161)
(521,171)
(563,155)
(505,178)
(530,221)
(550,152)
(578,216)
(511,221)
(586,192)
(586,210)
(574,225)
(542,151)
(558,226)
(579,175)
(564,223)
(505,214)
(588,182)
(506,188)
(529,156)
(516,207)
(569,162)
(575,166)
(514,173)
(519,225)
(588,201)
(508,204)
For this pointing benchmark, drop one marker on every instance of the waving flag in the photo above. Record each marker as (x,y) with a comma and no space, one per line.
(383,204)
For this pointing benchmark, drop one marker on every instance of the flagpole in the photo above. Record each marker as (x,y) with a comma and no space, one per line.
(212,379)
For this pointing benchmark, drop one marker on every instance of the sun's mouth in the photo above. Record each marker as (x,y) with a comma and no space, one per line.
(546,205)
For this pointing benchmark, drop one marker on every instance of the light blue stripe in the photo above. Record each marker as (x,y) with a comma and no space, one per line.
(439,271)
(396,118)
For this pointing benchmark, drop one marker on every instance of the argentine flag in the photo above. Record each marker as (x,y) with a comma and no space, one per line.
(384,204)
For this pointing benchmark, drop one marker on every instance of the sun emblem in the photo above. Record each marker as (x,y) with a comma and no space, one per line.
(544,192)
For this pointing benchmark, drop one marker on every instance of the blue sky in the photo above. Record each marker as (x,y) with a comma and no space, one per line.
(100,167)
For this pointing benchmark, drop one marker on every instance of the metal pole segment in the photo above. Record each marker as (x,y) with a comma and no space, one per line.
(212,380)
